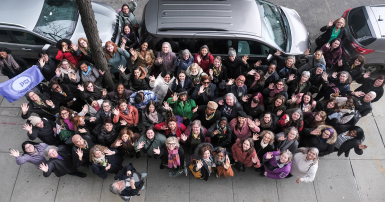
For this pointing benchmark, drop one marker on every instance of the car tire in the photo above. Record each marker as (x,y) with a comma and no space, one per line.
(374,68)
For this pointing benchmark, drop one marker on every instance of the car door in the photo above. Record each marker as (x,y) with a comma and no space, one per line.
(7,41)
(254,49)
(27,45)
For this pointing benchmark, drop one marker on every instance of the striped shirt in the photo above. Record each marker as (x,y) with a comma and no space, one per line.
(341,138)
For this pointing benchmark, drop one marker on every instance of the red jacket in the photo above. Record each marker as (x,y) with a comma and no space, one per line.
(179,129)
(68,55)
(281,123)
(240,156)
(131,118)
(204,64)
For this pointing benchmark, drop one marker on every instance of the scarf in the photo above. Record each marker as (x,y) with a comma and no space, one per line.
(216,71)
(209,117)
(275,91)
(263,145)
(97,107)
(265,125)
(101,161)
(173,158)
(10,62)
(222,131)
(153,116)
(67,71)
(41,103)
(126,112)
(59,157)
(88,71)
(209,163)
(70,126)
(63,93)
(228,109)
(195,136)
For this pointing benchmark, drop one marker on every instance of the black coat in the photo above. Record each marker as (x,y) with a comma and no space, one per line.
(325,37)
(131,42)
(315,80)
(204,98)
(235,68)
(253,112)
(97,94)
(367,86)
(262,151)
(87,57)
(272,78)
(86,153)
(113,96)
(221,77)
(200,114)
(101,116)
(45,134)
(58,166)
(293,87)
(269,108)
(48,70)
(355,73)
(188,85)
(256,88)
(218,140)
(22,66)
(122,175)
(71,92)
(41,110)
(115,160)
(236,108)
(107,138)
(316,141)
(164,155)
(273,125)
(348,145)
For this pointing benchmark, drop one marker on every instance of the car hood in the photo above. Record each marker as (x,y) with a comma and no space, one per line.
(299,33)
(105,18)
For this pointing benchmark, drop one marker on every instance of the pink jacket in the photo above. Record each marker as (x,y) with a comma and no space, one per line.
(245,132)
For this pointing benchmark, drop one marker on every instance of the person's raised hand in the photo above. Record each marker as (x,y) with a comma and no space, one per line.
(271,86)
(361,146)
(101,72)
(82,130)
(108,166)
(79,152)
(81,87)
(122,69)
(291,77)
(152,79)
(201,90)
(15,153)
(330,23)
(252,72)
(199,164)
(255,136)
(24,108)
(221,102)
(281,138)
(141,144)
(195,109)
(43,167)
(115,111)
(325,76)
(85,109)
(184,137)
(164,127)
(27,127)
(175,97)
(245,98)
(92,119)
(334,75)
(367,75)
(307,52)
(279,112)
(298,180)
(315,132)
(166,106)
(327,45)
(258,63)
(245,58)
(254,159)
(160,60)
(269,155)
(277,53)
(156,151)
(57,71)
(123,122)
(109,152)
(257,122)
(74,47)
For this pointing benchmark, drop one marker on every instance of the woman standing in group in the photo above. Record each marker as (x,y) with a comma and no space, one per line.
(355,66)
(165,59)
(65,50)
(183,61)
(104,161)
(143,57)
(161,86)
(152,114)
(254,106)
(116,57)
(313,61)
(217,71)
(84,50)
(32,152)
(222,162)
(172,155)
(293,118)
(149,142)
(323,138)
(182,105)
(277,164)
(229,106)
(255,81)
(332,52)
(171,127)
(127,15)
(195,72)
(39,104)
(287,140)
(331,31)
(242,127)
(376,85)
(66,73)
(305,164)
(182,81)
(88,72)
(204,161)
(128,38)
(194,135)
(125,142)
(204,58)
(244,155)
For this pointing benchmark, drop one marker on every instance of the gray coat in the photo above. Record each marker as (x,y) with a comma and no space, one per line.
(93,76)
(312,63)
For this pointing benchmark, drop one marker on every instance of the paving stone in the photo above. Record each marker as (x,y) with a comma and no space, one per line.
(12,133)
(213,190)
(289,190)
(31,185)
(9,171)
(17,103)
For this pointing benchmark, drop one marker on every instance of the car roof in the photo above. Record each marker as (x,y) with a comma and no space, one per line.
(379,11)
(21,12)
(209,15)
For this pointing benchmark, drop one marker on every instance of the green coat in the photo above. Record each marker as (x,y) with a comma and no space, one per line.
(185,111)
(120,58)
(158,142)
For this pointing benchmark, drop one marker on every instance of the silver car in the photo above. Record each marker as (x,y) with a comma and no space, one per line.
(256,28)
(30,26)
(366,35)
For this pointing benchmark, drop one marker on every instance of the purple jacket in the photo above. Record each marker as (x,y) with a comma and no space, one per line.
(35,159)
(331,57)
(277,173)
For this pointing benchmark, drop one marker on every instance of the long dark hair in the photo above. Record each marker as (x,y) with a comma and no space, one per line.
(27,142)
(67,41)
(251,145)
(310,102)
(147,108)
(298,123)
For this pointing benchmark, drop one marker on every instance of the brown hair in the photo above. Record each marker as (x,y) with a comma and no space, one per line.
(76,120)
(171,119)
(70,115)
(108,55)
(127,131)
(72,66)
(204,148)
(81,48)
(96,148)
(88,83)
(121,101)
(204,78)
(251,149)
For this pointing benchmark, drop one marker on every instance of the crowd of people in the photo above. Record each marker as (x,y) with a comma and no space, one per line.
(198,114)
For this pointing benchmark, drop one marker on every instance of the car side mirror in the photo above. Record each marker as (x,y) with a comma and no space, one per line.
(269,57)
(46,47)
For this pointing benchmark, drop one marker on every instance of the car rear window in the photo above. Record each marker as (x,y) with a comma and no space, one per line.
(359,26)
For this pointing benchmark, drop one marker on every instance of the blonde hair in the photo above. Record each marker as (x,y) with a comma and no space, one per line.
(343,21)
(268,132)
(96,148)
(172,139)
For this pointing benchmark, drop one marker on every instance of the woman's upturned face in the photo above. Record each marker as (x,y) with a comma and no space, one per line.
(123,106)
(357,62)
(150,134)
(326,134)
(339,23)
(64,45)
(349,102)
(165,48)
(330,105)
(182,77)
(110,48)
(166,78)
(289,62)
(98,154)
(304,78)
(319,70)
(217,63)
(352,133)
(246,145)
(204,51)
(378,82)
(206,154)
(84,67)
(120,89)
(186,56)
(318,117)
(83,44)
(81,121)
(125,137)
(64,114)
(196,129)
(65,65)
(335,44)
(295,116)
(183,98)
(56,88)
(241,120)
(172,125)
(90,87)
(311,155)
(108,126)
(317,55)
(206,83)
(194,70)
(29,148)
(220,156)
(223,124)
(240,81)
(278,102)
(229,101)
(127,30)
(279,85)
(52,153)
(137,73)
(291,135)
(267,118)
(40,124)
(126,9)
(3,54)
(232,58)
(306,99)
(144,46)
(151,108)
(284,158)
(94,103)
(171,145)
(257,77)
(106,107)
(266,139)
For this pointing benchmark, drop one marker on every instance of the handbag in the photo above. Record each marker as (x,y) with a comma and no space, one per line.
(197,174)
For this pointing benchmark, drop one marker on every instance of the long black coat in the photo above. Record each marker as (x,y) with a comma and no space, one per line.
(115,160)
(324,38)
(58,166)
(272,78)
(41,110)
(45,134)
(315,141)
(86,153)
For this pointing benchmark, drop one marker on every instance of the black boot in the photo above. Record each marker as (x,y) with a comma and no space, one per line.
(137,154)
(161,166)
(262,174)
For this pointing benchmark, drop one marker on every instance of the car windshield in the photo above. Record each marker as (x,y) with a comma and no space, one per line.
(275,25)
(57,19)
(359,27)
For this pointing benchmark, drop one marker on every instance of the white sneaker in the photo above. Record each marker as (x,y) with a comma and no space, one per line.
(216,175)
(144,175)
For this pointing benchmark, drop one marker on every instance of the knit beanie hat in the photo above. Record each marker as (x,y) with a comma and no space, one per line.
(108,120)
(212,105)
(34,120)
(223,118)
(322,67)
(242,114)
(46,150)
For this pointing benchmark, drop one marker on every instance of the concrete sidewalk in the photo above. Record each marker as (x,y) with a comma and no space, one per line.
(358,178)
